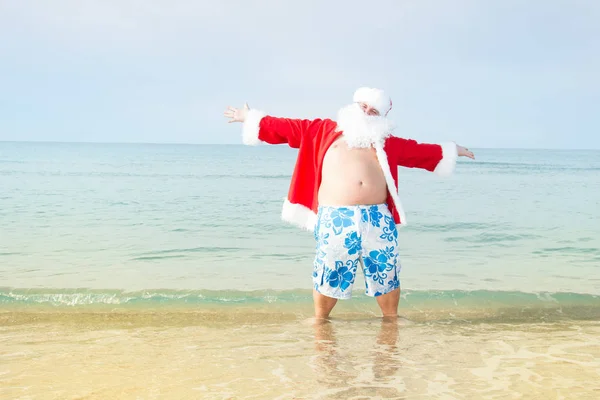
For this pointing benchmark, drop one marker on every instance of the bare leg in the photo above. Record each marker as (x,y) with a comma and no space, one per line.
(389,303)
(323,304)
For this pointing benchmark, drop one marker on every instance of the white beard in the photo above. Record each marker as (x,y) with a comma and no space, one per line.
(360,129)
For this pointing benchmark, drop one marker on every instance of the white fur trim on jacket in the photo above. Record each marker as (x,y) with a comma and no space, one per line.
(448,162)
(383,161)
(299,215)
(251,127)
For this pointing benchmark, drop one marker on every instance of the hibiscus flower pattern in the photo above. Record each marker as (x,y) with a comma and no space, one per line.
(338,219)
(390,233)
(319,263)
(349,236)
(379,263)
(352,243)
(322,241)
(343,274)
(372,215)
(392,284)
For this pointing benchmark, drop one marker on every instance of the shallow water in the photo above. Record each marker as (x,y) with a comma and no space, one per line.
(137,217)
(281,353)
(164,271)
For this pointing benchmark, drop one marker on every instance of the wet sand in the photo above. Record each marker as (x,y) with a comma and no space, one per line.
(283,354)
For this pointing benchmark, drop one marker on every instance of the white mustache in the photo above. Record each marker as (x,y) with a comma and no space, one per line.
(360,129)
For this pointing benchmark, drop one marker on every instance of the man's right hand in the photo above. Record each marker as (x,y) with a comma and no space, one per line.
(237,114)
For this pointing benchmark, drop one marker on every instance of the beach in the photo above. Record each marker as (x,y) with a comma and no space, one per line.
(164,271)
(278,352)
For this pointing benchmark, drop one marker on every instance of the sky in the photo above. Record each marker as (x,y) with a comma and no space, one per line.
(487,74)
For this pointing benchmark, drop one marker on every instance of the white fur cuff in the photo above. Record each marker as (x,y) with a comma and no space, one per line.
(299,215)
(448,162)
(252,127)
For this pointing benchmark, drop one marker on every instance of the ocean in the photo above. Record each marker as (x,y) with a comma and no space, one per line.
(165,271)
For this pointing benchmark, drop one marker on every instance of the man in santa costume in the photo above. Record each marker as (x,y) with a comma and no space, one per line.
(344,188)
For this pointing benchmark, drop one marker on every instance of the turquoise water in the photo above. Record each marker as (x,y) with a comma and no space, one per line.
(424,305)
(100,219)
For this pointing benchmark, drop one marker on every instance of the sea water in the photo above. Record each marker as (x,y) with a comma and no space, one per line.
(165,271)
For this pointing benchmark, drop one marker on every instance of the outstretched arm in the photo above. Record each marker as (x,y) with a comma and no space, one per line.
(259,127)
(437,158)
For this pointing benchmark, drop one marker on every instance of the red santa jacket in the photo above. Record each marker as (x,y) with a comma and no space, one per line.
(312,138)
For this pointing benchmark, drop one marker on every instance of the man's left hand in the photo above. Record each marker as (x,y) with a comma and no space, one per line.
(464,152)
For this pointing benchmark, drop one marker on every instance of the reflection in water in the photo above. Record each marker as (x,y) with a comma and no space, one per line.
(132,355)
(385,362)
(336,368)
(327,357)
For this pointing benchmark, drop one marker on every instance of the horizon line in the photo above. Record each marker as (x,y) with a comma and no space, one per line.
(242,144)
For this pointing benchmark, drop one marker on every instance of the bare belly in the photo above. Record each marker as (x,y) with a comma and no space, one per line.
(351,176)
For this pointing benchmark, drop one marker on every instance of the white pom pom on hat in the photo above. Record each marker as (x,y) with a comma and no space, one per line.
(376,98)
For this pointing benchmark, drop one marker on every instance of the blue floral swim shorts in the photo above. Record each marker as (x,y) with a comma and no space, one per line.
(349,235)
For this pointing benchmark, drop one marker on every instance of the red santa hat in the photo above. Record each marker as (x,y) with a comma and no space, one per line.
(376,98)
